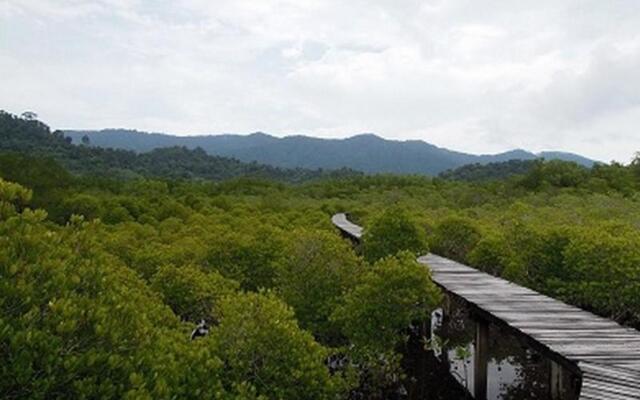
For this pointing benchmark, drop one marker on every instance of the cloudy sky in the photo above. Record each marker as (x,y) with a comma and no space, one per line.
(477,76)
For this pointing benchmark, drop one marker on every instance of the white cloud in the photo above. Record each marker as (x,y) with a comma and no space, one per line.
(474,76)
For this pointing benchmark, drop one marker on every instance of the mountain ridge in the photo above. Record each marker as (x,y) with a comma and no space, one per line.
(25,141)
(365,152)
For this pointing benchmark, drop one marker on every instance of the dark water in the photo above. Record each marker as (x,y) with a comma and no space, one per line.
(516,371)
(427,376)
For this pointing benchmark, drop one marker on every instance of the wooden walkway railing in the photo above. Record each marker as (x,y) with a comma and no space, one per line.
(603,353)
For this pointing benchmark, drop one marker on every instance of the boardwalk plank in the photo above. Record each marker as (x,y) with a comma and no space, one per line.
(607,354)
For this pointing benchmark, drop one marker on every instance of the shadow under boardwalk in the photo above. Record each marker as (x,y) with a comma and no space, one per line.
(603,353)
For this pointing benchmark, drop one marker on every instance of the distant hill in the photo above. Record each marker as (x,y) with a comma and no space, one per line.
(367,152)
(559,155)
(19,136)
(490,171)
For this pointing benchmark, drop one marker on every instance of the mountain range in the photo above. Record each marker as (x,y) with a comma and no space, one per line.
(366,152)
(30,151)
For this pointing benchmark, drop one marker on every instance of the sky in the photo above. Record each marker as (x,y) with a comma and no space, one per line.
(475,76)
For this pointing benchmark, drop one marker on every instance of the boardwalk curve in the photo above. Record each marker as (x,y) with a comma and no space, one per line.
(605,354)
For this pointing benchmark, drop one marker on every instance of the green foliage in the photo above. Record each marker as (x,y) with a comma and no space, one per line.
(488,172)
(13,198)
(192,293)
(175,162)
(319,268)
(455,237)
(391,232)
(635,165)
(76,324)
(492,254)
(543,253)
(367,152)
(250,259)
(44,176)
(388,298)
(41,174)
(613,178)
(90,207)
(555,173)
(604,273)
(101,280)
(263,349)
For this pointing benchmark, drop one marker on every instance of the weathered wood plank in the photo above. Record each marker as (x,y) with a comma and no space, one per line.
(346,226)
(607,354)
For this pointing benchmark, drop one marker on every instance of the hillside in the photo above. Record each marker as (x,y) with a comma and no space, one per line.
(109,279)
(34,138)
(491,171)
(367,152)
(122,271)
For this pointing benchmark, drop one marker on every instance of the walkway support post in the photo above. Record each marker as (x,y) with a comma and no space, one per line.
(584,374)
(481,360)
(556,383)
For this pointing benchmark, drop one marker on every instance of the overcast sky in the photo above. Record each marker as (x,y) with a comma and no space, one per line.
(476,76)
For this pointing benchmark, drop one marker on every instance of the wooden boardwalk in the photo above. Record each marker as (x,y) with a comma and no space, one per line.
(605,354)
(347,227)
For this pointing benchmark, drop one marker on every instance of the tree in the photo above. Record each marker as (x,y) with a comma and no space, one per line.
(603,271)
(265,352)
(249,258)
(635,165)
(13,198)
(486,172)
(190,292)
(28,135)
(492,254)
(29,115)
(318,270)
(554,173)
(614,176)
(391,232)
(87,205)
(396,292)
(455,237)
(75,323)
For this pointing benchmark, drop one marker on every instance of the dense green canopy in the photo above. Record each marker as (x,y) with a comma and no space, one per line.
(102,279)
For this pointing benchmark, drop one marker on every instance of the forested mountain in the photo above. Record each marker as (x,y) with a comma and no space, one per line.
(366,152)
(34,138)
(103,279)
(491,171)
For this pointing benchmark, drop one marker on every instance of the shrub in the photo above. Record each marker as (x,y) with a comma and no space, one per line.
(455,237)
(394,293)
(391,232)
(190,292)
(318,269)
(265,352)
(492,254)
